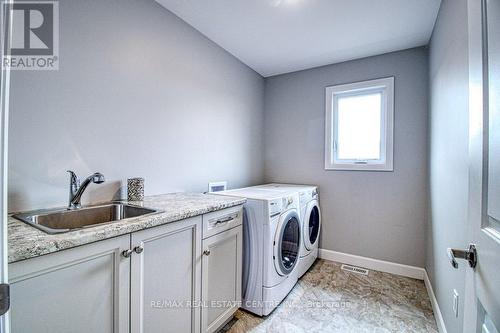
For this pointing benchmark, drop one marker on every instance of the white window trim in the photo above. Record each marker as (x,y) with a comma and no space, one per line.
(386,86)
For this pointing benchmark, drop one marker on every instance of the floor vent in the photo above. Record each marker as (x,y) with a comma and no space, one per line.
(354,269)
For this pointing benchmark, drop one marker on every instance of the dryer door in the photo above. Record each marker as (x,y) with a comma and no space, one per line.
(312,224)
(287,243)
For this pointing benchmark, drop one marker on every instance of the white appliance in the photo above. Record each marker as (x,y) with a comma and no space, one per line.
(310,218)
(271,247)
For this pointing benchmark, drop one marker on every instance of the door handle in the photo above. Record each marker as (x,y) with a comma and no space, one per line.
(469,254)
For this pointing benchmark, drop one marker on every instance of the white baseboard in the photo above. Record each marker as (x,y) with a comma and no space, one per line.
(375,264)
(435,305)
(389,267)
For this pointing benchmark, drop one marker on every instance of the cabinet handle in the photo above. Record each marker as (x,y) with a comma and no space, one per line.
(226,219)
(206,252)
(127,253)
(138,249)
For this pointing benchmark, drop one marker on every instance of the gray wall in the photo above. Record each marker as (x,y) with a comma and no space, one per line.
(448,155)
(380,215)
(139,93)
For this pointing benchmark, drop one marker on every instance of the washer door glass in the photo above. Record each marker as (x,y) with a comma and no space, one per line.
(289,244)
(313,225)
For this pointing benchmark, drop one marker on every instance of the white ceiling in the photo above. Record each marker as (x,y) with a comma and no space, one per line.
(280,36)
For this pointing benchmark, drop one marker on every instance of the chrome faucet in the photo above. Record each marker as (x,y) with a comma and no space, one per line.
(76,190)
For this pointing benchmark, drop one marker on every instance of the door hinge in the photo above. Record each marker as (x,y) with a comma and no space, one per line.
(4,298)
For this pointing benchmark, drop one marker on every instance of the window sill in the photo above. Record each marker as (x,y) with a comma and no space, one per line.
(360,167)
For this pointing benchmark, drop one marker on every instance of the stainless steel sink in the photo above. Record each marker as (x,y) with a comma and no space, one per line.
(64,220)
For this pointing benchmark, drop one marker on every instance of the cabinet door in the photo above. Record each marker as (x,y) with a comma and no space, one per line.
(221,278)
(166,278)
(84,289)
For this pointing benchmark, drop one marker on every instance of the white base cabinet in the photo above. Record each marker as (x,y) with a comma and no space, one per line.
(81,290)
(221,267)
(155,280)
(166,278)
(221,278)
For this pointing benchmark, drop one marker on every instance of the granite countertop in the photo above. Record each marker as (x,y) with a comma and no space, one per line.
(25,241)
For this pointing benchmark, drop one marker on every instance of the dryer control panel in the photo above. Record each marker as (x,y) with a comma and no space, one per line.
(307,196)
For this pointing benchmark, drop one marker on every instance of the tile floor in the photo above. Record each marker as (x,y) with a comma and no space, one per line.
(330,300)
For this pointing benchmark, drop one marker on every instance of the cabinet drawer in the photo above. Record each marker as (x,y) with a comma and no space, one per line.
(219,221)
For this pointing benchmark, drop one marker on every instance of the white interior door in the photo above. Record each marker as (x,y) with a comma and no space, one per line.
(4,120)
(482,299)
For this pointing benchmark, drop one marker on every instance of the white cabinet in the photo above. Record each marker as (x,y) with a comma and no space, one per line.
(221,268)
(149,281)
(165,278)
(84,289)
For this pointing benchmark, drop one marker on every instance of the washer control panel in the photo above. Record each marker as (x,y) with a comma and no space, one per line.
(275,207)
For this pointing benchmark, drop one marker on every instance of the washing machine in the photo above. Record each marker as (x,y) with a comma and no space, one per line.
(271,247)
(310,218)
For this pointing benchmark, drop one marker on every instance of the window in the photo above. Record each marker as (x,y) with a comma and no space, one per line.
(359,126)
